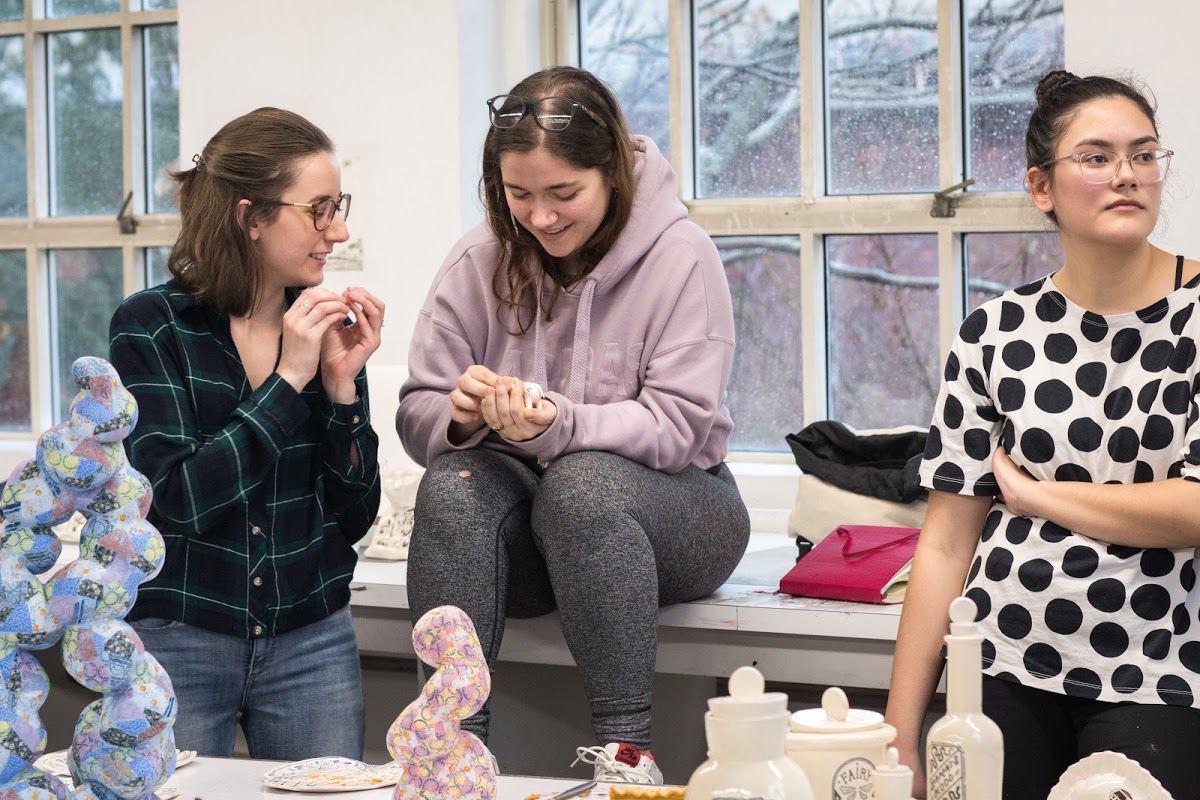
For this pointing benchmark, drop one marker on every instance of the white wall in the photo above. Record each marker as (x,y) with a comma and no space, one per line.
(1102,39)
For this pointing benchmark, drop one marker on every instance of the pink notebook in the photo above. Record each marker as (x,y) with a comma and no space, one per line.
(865,563)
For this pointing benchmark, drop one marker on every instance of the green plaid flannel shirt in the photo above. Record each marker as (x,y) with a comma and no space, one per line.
(254,491)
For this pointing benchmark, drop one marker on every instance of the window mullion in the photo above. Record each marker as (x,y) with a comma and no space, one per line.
(812,127)
(951,87)
(680,56)
(814,353)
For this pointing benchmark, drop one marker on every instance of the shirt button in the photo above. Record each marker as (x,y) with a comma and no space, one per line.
(257,531)
(258,630)
(258,581)
(356,419)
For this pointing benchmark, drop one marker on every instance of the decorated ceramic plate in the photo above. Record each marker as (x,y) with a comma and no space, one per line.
(56,762)
(332,774)
(1107,776)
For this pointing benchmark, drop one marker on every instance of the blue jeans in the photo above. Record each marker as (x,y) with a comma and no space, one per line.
(299,694)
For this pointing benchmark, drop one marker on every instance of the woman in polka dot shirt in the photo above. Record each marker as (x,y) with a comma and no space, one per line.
(1063,462)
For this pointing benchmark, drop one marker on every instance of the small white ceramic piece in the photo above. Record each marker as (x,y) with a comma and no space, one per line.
(332,774)
(746,757)
(1107,775)
(838,747)
(892,780)
(56,762)
(533,395)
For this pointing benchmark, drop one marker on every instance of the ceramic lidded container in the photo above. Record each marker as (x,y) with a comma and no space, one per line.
(838,747)
(746,751)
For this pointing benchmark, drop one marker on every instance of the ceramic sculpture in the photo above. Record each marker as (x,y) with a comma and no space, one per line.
(437,758)
(123,745)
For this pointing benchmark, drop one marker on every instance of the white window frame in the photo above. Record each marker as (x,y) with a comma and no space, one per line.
(38,232)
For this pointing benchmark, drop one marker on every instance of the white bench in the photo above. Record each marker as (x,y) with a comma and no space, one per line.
(790,639)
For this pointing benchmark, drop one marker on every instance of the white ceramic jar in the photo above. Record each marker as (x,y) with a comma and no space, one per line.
(839,747)
(746,755)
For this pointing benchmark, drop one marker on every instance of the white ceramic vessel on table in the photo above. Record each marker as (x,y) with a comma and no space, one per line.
(964,752)
(746,756)
(838,747)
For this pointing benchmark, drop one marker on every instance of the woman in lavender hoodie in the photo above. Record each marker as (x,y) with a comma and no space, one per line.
(610,497)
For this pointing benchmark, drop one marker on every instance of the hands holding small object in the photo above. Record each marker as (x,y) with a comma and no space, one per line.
(513,408)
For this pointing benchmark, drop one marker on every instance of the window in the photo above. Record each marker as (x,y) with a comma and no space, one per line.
(89,126)
(810,137)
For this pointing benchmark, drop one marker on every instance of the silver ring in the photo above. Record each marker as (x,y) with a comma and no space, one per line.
(304,306)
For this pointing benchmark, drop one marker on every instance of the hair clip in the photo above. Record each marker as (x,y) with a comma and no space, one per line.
(198,160)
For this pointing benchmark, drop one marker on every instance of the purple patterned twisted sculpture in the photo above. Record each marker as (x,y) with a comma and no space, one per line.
(123,746)
(437,758)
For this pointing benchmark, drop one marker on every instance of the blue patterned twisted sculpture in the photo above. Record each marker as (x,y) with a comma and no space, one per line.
(123,746)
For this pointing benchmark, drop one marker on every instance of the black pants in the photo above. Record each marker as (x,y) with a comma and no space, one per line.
(1044,733)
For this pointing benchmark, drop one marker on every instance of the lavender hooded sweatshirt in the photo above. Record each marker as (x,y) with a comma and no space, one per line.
(636,357)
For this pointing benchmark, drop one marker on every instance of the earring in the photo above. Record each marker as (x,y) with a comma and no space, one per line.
(516,230)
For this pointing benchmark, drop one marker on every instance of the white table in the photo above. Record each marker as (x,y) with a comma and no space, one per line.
(241,779)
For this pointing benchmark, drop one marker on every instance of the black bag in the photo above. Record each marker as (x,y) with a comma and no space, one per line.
(881,465)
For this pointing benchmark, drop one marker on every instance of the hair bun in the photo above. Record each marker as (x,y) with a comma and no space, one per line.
(1054,80)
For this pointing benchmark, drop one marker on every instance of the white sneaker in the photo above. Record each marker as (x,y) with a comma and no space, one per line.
(618,762)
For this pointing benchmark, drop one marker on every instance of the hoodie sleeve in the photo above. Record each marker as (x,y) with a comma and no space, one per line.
(442,347)
(669,422)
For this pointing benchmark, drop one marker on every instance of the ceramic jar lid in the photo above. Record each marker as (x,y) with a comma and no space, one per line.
(835,716)
(747,698)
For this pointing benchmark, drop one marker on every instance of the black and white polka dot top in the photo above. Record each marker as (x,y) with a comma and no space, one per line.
(1075,396)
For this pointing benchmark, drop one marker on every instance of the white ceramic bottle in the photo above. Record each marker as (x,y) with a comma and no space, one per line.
(964,752)
(746,757)
(892,780)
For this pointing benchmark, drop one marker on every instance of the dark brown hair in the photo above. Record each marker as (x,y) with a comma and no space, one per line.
(1059,96)
(584,144)
(254,157)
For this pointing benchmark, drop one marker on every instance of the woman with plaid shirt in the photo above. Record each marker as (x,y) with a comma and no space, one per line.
(255,433)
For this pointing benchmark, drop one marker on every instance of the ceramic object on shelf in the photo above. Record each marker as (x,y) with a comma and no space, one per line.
(746,732)
(964,751)
(838,747)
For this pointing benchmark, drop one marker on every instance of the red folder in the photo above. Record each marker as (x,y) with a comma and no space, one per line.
(865,563)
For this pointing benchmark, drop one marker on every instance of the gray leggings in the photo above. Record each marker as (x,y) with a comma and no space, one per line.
(603,539)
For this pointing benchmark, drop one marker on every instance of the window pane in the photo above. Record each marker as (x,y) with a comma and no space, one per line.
(15,412)
(997,262)
(624,42)
(88,288)
(747,99)
(883,329)
(153,5)
(85,122)
(162,115)
(765,396)
(12,127)
(1010,45)
(12,10)
(156,266)
(71,8)
(881,96)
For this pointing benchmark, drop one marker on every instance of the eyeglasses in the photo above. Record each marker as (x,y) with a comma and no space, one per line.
(322,212)
(550,113)
(1101,166)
